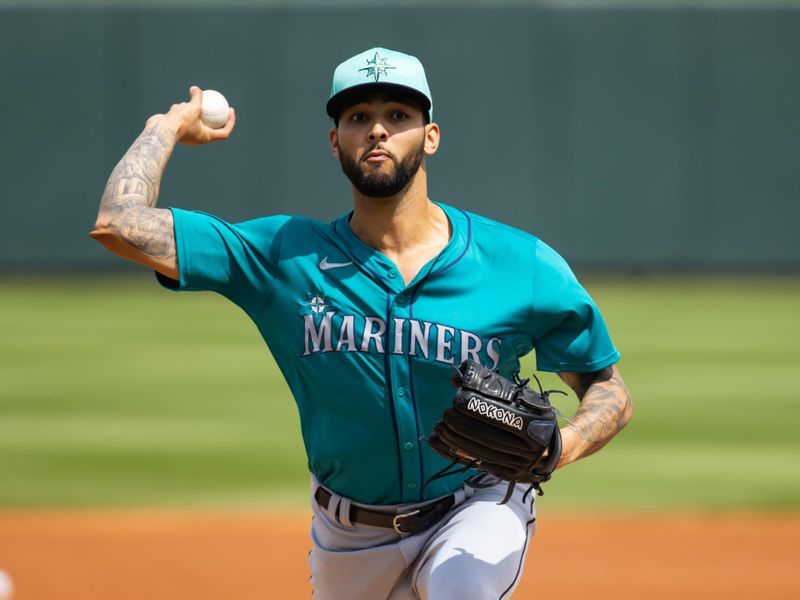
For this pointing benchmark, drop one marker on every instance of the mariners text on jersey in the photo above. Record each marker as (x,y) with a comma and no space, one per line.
(435,341)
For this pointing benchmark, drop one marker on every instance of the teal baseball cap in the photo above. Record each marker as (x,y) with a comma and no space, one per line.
(379,68)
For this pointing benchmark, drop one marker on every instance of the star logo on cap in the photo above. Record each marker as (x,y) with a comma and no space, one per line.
(377,67)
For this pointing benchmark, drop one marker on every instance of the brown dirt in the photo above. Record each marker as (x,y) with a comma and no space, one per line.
(243,556)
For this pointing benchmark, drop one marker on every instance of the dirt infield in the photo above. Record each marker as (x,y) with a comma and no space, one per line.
(244,556)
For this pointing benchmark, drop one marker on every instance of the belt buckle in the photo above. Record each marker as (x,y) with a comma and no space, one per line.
(396,520)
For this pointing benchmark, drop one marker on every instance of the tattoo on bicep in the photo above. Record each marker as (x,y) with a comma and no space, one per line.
(580,382)
(149,230)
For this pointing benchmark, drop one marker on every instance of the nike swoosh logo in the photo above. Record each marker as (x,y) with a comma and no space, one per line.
(324,265)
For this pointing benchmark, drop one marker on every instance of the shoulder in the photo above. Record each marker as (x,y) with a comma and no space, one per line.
(499,238)
(260,227)
(275,222)
(486,225)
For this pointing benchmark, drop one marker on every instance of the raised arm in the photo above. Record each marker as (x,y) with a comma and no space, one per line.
(605,408)
(128,223)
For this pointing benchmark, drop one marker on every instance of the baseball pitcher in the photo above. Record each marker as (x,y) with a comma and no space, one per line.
(418,489)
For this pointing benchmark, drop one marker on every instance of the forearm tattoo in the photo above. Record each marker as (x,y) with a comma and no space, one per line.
(605,407)
(129,199)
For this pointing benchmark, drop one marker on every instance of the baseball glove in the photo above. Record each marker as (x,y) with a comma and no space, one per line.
(500,427)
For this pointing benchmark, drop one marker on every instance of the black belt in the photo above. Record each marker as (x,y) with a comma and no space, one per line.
(410,522)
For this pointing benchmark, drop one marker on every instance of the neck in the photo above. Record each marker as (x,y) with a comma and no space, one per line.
(398,222)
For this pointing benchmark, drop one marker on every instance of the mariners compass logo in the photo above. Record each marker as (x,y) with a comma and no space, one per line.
(377,67)
(317,304)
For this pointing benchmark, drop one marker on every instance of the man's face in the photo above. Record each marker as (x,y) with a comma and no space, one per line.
(380,143)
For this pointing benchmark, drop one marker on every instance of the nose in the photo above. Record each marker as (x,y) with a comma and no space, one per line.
(378,132)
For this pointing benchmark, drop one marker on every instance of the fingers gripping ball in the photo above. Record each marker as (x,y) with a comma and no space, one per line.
(500,427)
(215,109)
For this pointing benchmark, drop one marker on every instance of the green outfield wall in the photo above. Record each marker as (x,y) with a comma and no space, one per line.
(626,138)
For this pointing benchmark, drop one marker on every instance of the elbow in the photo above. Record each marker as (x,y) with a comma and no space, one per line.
(107,228)
(627,411)
(624,401)
(102,231)
(102,226)
(108,236)
(104,223)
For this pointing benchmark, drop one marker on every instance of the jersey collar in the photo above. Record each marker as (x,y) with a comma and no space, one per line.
(385,272)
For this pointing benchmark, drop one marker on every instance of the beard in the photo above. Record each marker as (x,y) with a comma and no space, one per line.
(376,184)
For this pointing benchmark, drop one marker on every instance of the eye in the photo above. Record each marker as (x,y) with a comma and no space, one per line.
(399,115)
(358,117)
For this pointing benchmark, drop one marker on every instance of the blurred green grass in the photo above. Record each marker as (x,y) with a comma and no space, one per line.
(114,392)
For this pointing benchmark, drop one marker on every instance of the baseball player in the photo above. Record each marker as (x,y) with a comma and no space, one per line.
(366,317)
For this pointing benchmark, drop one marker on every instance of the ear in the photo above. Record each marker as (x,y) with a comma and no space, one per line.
(334,140)
(431,138)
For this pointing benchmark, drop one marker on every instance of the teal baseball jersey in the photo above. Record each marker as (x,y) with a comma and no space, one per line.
(369,358)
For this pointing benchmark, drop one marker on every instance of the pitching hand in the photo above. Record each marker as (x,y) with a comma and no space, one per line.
(184,119)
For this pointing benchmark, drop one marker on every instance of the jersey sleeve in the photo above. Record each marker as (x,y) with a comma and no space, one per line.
(569,333)
(238,260)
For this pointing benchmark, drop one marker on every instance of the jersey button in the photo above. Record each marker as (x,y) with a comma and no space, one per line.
(401,391)
(412,485)
(391,274)
(408,446)
(401,298)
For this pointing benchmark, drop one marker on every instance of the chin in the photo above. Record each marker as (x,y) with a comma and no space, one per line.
(381,189)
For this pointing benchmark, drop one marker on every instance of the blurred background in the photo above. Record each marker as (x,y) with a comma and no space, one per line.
(655,146)
(637,136)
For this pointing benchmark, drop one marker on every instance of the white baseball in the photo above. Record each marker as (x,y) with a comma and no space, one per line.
(6,586)
(215,109)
